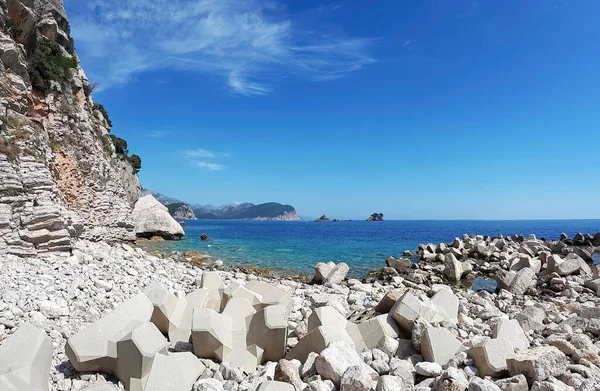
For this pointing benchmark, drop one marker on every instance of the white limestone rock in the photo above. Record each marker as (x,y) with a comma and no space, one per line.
(153,219)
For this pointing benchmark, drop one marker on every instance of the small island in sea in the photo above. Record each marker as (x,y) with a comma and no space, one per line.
(376,217)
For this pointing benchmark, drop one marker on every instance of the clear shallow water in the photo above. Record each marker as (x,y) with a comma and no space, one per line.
(295,247)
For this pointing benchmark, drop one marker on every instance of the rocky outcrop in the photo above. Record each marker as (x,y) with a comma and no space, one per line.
(151,218)
(322,219)
(60,177)
(181,211)
(376,217)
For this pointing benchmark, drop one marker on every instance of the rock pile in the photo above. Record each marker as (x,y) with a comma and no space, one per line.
(396,333)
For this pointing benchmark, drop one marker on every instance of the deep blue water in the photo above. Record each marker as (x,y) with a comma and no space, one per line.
(295,247)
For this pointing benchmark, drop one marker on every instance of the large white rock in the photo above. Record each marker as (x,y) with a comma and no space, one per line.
(537,363)
(25,359)
(152,218)
(512,331)
(335,360)
(490,357)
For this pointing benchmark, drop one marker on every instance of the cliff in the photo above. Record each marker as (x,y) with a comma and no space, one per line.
(181,211)
(60,175)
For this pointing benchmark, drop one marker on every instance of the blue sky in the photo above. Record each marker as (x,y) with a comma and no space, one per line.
(416,109)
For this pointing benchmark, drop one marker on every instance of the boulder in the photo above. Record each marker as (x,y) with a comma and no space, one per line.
(400,264)
(568,266)
(522,281)
(452,379)
(287,372)
(336,359)
(537,363)
(511,330)
(454,270)
(490,357)
(478,384)
(389,383)
(428,369)
(152,218)
(596,239)
(439,345)
(531,318)
(406,311)
(25,359)
(357,378)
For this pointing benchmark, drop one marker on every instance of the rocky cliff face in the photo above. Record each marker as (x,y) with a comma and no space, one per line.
(60,177)
(181,211)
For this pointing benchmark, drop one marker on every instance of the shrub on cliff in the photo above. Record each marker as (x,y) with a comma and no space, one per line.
(12,28)
(136,162)
(47,63)
(120,145)
(101,109)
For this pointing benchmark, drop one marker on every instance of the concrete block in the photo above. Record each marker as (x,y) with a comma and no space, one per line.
(511,330)
(213,282)
(135,355)
(211,334)
(94,349)
(269,294)
(316,341)
(171,315)
(373,330)
(268,329)
(406,311)
(439,345)
(174,372)
(490,357)
(235,289)
(538,363)
(25,359)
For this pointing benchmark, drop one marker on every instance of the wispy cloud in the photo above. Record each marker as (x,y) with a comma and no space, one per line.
(211,166)
(158,134)
(249,44)
(201,153)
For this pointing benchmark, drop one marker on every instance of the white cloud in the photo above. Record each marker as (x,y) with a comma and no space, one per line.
(211,166)
(202,153)
(250,44)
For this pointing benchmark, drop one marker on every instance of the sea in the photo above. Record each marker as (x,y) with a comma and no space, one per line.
(295,247)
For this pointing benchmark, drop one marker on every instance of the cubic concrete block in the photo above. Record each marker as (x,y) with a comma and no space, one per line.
(406,311)
(211,333)
(25,359)
(136,353)
(235,289)
(213,282)
(439,345)
(174,372)
(325,316)
(490,357)
(199,298)
(270,385)
(445,303)
(511,330)
(387,302)
(171,315)
(268,329)
(316,341)
(269,294)
(94,349)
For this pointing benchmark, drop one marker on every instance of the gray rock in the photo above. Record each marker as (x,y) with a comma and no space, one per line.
(478,384)
(537,363)
(428,369)
(287,372)
(515,383)
(389,383)
(153,219)
(452,379)
(335,360)
(356,379)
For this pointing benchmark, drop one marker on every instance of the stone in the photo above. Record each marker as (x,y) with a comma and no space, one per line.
(490,357)
(531,318)
(428,369)
(275,386)
(94,349)
(135,354)
(439,345)
(387,302)
(511,330)
(153,219)
(210,385)
(356,378)
(389,345)
(269,294)
(568,266)
(174,372)
(445,304)
(515,383)
(478,384)
(552,384)
(452,379)
(389,383)
(454,270)
(522,281)
(25,359)
(335,360)
(537,363)
(400,264)
(287,372)
(372,331)
(330,273)
(406,311)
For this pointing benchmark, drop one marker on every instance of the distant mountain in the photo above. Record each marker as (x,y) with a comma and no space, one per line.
(234,211)
(161,198)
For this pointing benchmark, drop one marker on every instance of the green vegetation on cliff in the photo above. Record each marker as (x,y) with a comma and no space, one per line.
(47,64)
(122,150)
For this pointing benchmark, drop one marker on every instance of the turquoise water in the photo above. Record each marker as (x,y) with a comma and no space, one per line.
(295,247)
